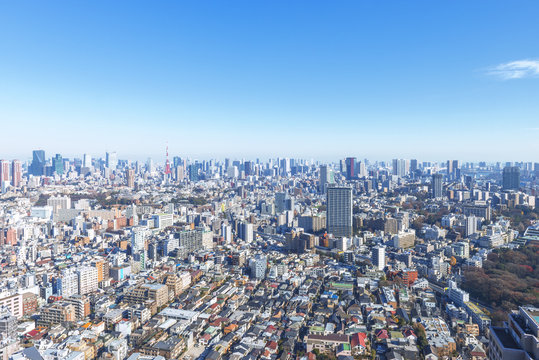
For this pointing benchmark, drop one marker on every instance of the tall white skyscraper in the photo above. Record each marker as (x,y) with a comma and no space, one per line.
(362,169)
(87,161)
(112,160)
(339,211)
(379,257)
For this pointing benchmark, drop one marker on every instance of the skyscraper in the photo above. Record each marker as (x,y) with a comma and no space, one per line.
(37,167)
(379,257)
(326,177)
(511,178)
(248,167)
(58,164)
(339,211)
(246,232)
(16,173)
(436,186)
(130,177)
(284,166)
(179,173)
(111,160)
(4,172)
(400,167)
(413,165)
(87,161)
(350,168)
(283,202)
(453,169)
(361,169)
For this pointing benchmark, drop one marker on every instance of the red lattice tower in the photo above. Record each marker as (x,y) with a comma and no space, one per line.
(167,165)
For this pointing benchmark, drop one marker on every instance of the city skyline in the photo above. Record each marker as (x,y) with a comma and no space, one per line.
(160,159)
(402,80)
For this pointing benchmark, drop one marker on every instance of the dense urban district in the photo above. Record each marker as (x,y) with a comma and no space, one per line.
(274,259)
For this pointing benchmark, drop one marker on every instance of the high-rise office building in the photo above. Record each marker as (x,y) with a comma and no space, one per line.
(361,169)
(4,172)
(436,186)
(339,211)
(111,160)
(246,232)
(130,177)
(37,167)
(248,167)
(177,161)
(511,178)
(87,161)
(453,169)
(195,172)
(16,173)
(58,164)
(379,257)
(284,166)
(413,165)
(326,177)
(179,172)
(283,202)
(350,168)
(400,167)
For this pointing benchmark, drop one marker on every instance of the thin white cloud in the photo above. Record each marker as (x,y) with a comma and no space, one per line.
(516,69)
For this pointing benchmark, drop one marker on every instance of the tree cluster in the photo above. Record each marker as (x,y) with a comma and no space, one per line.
(508,279)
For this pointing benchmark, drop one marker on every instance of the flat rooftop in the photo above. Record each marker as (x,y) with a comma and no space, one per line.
(178,313)
(505,338)
(533,313)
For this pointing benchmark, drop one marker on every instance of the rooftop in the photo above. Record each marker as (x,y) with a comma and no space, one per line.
(505,338)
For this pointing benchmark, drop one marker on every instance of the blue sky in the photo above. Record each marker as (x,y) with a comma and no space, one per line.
(416,79)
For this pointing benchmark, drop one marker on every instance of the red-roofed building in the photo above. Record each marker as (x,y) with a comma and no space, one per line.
(357,342)
(205,339)
(272,347)
(382,334)
(409,333)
